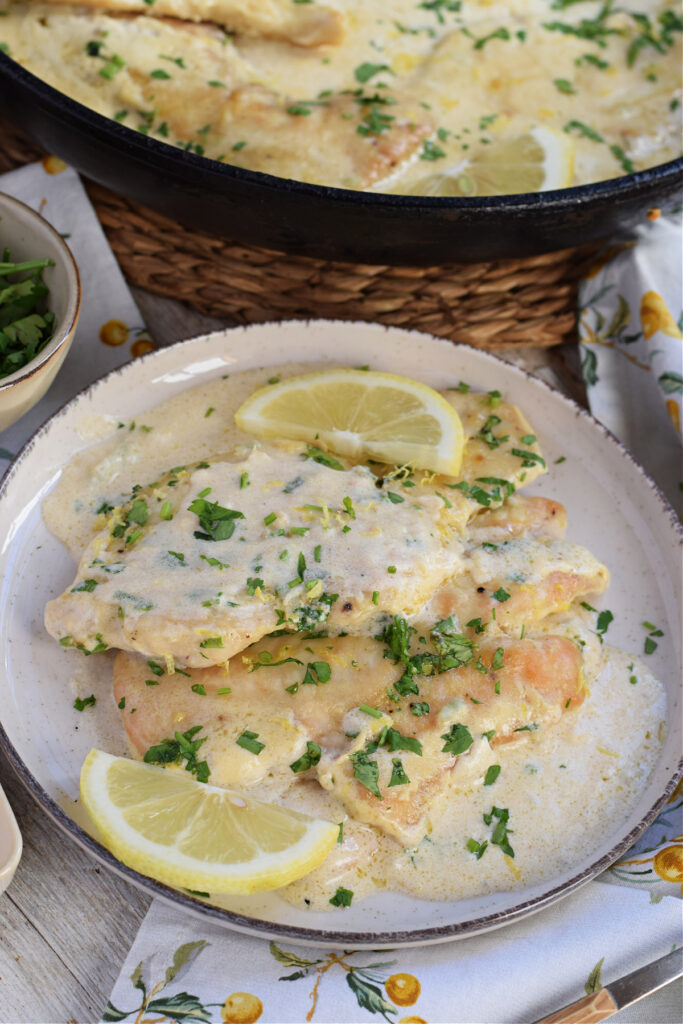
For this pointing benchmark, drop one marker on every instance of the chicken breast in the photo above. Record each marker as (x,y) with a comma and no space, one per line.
(209,560)
(343,697)
(189,85)
(304,25)
(517,582)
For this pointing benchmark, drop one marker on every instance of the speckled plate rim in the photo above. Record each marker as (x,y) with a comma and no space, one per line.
(315,936)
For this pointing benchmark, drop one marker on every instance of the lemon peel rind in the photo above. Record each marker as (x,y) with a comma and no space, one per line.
(179,870)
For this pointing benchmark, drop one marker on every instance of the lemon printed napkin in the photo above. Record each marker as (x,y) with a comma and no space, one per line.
(631,335)
(182,968)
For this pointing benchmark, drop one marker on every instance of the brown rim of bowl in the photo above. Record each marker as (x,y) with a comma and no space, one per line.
(310,936)
(73,307)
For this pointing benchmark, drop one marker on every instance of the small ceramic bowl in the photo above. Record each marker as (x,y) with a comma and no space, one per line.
(28,236)
(10,843)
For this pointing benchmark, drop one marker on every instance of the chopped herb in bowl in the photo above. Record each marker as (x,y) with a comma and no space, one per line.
(26,325)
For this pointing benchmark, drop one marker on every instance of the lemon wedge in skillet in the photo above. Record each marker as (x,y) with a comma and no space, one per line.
(362,414)
(164,824)
(535,161)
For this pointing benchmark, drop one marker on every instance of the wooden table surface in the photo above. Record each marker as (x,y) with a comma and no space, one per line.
(66,924)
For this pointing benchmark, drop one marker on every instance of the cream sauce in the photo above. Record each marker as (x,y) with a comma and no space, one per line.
(565,787)
(471,75)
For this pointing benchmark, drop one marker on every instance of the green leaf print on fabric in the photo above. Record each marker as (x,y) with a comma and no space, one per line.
(589,368)
(671,383)
(594,982)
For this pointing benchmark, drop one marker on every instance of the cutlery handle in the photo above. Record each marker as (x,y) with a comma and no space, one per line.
(589,1010)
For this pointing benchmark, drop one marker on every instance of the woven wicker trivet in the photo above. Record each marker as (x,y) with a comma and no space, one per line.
(503,304)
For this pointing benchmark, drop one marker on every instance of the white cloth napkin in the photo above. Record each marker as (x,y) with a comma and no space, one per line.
(184,969)
(631,331)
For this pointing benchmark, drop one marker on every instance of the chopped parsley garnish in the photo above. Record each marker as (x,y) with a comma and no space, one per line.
(373,712)
(499,33)
(112,67)
(430,151)
(497,661)
(604,619)
(307,760)
(81,703)
(476,848)
(419,708)
(375,121)
(584,129)
(476,625)
(458,739)
(86,585)
(492,773)
(183,747)
(25,325)
(317,672)
(217,523)
(212,641)
(249,741)
(393,740)
(342,897)
(196,688)
(366,772)
(501,595)
(486,432)
(364,72)
(650,643)
(529,458)
(563,85)
(500,831)
(398,775)
(318,455)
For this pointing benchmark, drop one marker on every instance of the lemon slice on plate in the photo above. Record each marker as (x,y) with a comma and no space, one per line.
(164,824)
(362,414)
(535,161)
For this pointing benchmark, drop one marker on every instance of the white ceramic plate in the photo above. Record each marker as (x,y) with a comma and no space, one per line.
(614,509)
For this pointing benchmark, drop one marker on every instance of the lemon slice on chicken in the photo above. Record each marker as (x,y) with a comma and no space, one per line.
(164,824)
(362,414)
(536,161)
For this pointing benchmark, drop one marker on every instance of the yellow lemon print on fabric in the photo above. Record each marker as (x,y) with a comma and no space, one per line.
(114,332)
(668,863)
(654,316)
(241,1008)
(53,164)
(412,1020)
(674,413)
(141,347)
(403,989)
(678,791)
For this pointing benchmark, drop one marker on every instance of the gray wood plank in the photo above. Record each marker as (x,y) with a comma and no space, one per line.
(35,986)
(70,910)
(169,321)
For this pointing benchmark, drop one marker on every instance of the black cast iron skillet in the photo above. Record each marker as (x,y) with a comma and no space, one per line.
(313,220)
